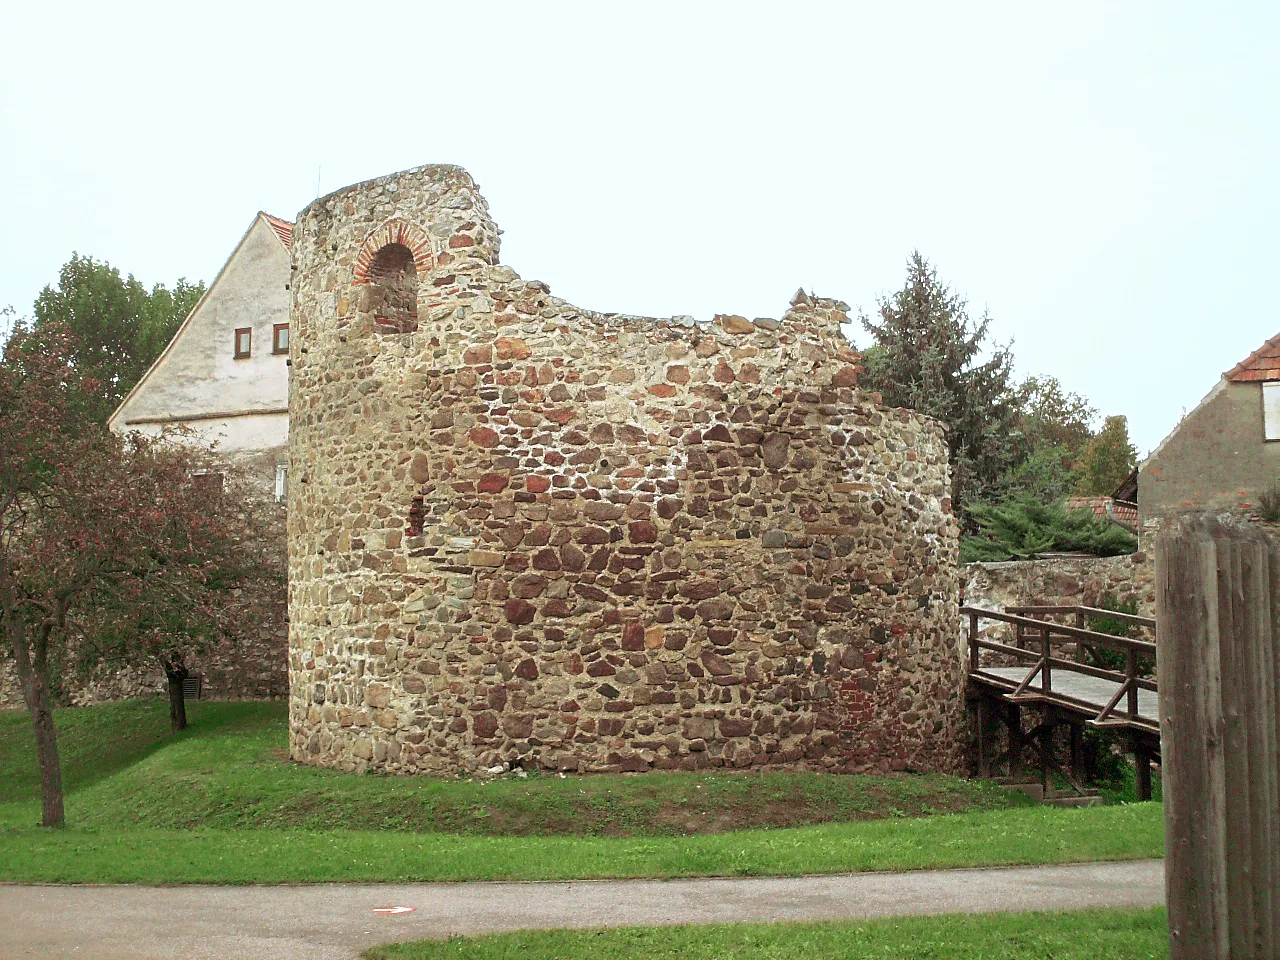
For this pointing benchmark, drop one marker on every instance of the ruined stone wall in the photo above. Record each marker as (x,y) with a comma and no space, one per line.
(1059,582)
(1062,581)
(10,689)
(525,532)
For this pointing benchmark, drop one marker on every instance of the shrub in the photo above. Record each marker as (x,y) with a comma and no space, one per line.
(1114,659)
(1269,503)
(1022,527)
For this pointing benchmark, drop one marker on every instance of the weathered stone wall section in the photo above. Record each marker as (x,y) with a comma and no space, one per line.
(526,532)
(1059,582)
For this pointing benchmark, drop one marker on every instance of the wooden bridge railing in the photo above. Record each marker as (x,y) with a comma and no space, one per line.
(1043,635)
(1081,612)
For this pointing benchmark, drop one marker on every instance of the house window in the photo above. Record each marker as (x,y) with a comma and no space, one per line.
(244,342)
(210,480)
(282,480)
(280,338)
(1271,410)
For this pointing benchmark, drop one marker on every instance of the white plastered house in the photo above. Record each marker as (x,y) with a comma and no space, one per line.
(225,374)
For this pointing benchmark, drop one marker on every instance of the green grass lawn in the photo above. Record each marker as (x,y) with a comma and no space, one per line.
(1077,935)
(230,771)
(221,803)
(992,838)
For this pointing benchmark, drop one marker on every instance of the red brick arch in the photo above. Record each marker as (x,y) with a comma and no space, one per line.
(395,230)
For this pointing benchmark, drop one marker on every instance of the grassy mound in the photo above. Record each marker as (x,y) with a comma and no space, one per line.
(221,803)
(94,743)
(230,770)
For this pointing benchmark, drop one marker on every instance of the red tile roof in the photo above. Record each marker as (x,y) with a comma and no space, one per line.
(283,228)
(1108,508)
(1262,364)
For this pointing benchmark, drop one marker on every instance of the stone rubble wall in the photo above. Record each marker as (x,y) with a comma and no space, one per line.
(522,532)
(10,689)
(1058,581)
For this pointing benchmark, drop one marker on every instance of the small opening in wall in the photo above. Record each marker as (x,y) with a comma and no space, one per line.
(393,289)
(243,342)
(417,514)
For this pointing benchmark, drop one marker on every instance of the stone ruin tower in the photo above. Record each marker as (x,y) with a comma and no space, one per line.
(523,532)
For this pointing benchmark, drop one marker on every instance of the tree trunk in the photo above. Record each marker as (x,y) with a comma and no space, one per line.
(176,673)
(51,812)
(33,675)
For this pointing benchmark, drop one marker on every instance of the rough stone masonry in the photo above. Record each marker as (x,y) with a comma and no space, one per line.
(522,532)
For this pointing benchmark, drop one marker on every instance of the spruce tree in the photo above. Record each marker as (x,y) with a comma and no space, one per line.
(929,356)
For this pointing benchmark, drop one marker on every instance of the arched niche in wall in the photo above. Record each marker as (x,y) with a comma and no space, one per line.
(392,294)
(391,260)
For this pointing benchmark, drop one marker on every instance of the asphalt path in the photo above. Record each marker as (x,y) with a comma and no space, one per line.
(337,921)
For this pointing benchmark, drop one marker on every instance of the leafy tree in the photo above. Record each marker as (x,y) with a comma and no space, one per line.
(1055,425)
(1108,459)
(118,326)
(109,547)
(1055,418)
(1021,528)
(927,355)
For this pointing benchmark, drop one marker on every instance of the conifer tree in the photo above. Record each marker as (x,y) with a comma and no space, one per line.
(929,356)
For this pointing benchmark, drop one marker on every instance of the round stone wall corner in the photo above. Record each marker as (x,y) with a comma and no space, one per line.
(525,534)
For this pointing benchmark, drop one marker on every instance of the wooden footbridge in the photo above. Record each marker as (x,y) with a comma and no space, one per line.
(1069,676)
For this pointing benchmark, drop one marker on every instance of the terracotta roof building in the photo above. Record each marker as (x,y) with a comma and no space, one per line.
(1226,452)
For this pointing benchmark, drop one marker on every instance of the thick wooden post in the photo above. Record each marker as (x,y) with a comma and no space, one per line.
(1218,625)
(1047,738)
(1131,674)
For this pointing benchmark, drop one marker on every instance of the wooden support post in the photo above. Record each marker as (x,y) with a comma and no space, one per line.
(1077,752)
(1131,673)
(1218,620)
(974,652)
(1084,647)
(1046,647)
(1141,766)
(1046,750)
(1013,720)
(984,737)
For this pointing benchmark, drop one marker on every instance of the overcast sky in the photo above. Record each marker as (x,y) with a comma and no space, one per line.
(1100,177)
